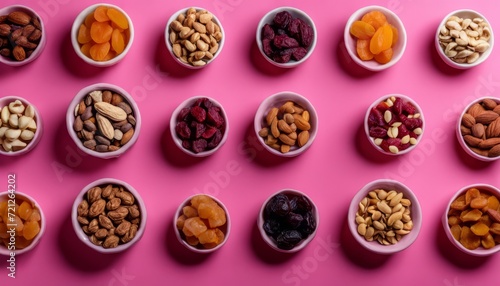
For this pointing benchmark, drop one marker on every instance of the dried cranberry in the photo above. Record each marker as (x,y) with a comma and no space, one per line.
(382,106)
(183,114)
(199,145)
(394,142)
(198,113)
(402,131)
(186,144)
(182,129)
(412,123)
(377,132)
(397,107)
(214,117)
(267,47)
(294,27)
(288,239)
(282,57)
(306,34)
(215,140)
(282,19)
(299,53)
(206,103)
(209,132)
(409,108)
(197,129)
(375,118)
(280,32)
(284,41)
(267,32)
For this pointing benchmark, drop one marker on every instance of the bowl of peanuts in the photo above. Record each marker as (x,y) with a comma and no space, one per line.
(478,129)
(375,38)
(20,126)
(464,39)
(471,219)
(25,213)
(22,35)
(202,223)
(286,124)
(102,34)
(385,216)
(194,37)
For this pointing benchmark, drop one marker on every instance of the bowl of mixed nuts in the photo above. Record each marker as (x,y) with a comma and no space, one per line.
(471,220)
(194,37)
(102,34)
(22,222)
(109,215)
(464,39)
(286,124)
(385,216)
(478,129)
(103,120)
(394,124)
(286,37)
(20,126)
(22,35)
(202,223)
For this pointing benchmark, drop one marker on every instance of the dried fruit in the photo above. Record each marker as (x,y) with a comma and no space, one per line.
(362,30)
(21,215)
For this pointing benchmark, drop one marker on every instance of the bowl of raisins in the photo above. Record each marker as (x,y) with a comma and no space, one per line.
(471,219)
(102,34)
(375,38)
(286,37)
(288,220)
(22,222)
(202,223)
(199,126)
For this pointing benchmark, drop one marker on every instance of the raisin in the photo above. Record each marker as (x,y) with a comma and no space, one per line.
(299,53)
(284,41)
(288,239)
(300,205)
(199,145)
(294,220)
(282,19)
(308,225)
(267,32)
(280,32)
(198,113)
(214,117)
(182,129)
(278,205)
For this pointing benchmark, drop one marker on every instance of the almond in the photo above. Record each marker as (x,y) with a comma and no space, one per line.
(489,143)
(110,111)
(465,131)
(301,123)
(468,120)
(19,17)
(480,152)
(494,151)
(476,109)
(478,130)
(105,126)
(472,141)
(19,53)
(489,103)
(497,109)
(493,129)
(486,117)
(302,138)
(494,215)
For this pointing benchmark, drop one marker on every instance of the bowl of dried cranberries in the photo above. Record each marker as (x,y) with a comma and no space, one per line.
(286,37)
(288,220)
(102,34)
(375,38)
(199,126)
(202,223)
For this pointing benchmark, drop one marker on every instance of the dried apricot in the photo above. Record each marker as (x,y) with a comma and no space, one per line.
(453,220)
(395,35)
(384,57)
(456,231)
(472,215)
(362,30)
(208,236)
(381,40)
(479,202)
(86,48)
(493,202)
(468,239)
(495,228)
(488,242)
(179,223)
(100,14)
(31,229)
(471,194)
(459,203)
(189,211)
(195,226)
(22,242)
(98,52)
(3,230)
(25,210)
(192,240)
(89,20)
(485,218)
(118,18)
(100,32)
(83,34)
(35,215)
(375,18)
(117,41)
(480,229)
(363,50)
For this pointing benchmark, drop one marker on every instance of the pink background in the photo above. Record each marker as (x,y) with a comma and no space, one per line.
(241,174)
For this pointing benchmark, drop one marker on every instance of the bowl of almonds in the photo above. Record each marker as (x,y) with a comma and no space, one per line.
(194,37)
(109,215)
(22,35)
(20,126)
(471,220)
(103,120)
(464,39)
(286,124)
(385,216)
(478,129)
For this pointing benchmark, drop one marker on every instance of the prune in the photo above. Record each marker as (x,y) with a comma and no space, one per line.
(197,129)
(267,47)
(299,53)
(267,32)
(279,205)
(214,117)
(272,227)
(215,140)
(306,35)
(182,129)
(294,220)
(198,113)
(282,19)
(300,205)
(199,145)
(308,225)
(288,239)
(284,41)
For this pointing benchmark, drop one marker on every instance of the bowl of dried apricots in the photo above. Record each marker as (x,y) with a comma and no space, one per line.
(472,220)
(22,223)
(102,34)
(375,38)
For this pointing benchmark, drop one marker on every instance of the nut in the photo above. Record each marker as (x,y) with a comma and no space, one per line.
(19,35)
(17,126)
(480,128)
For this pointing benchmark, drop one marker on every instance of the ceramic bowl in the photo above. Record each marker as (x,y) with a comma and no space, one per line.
(463,14)
(181,237)
(85,238)
(277,100)
(185,63)
(393,145)
(415,213)
(314,212)
(296,13)
(41,44)
(37,128)
(70,120)
(398,47)
(82,18)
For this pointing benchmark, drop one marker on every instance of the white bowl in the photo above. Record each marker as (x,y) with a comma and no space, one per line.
(4,101)
(70,119)
(76,46)
(276,100)
(464,13)
(296,13)
(416,215)
(19,195)
(226,229)
(460,136)
(269,240)
(85,238)
(367,128)
(174,120)
(43,40)
(169,45)
(480,251)
(398,48)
